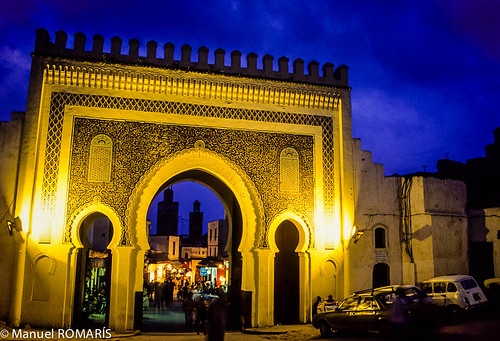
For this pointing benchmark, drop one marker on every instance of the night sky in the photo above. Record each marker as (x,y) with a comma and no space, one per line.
(424,74)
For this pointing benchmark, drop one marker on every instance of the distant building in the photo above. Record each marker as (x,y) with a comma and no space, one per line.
(482,178)
(170,245)
(217,238)
(167,221)
(190,252)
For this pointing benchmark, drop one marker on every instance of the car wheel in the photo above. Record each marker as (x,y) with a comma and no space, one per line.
(325,329)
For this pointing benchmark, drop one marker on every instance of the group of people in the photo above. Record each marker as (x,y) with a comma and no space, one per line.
(162,294)
(320,306)
(207,318)
(205,314)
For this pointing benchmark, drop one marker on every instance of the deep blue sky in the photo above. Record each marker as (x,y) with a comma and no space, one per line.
(186,193)
(424,74)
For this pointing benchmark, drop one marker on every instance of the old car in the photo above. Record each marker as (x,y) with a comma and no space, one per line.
(368,310)
(455,293)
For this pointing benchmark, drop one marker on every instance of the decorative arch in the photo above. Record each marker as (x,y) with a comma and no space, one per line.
(43,266)
(199,158)
(96,206)
(329,275)
(300,223)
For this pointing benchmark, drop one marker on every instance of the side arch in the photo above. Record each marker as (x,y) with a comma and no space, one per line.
(304,259)
(116,294)
(96,206)
(300,223)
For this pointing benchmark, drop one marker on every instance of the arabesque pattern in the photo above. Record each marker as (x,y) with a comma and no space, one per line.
(223,142)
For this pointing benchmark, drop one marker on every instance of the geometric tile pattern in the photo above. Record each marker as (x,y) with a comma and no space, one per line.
(59,100)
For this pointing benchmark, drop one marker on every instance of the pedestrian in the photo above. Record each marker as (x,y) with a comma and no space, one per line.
(330,303)
(158,296)
(188,308)
(315,305)
(216,318)
(399,317)
(201,316)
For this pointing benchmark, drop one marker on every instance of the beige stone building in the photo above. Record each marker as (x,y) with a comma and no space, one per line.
(308,211)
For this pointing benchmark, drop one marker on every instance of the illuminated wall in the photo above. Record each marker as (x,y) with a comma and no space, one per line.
(10,140)
(105,131)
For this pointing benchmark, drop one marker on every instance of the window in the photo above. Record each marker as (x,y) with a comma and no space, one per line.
(451,287)
(439,287)
(380,242)
(427,287)
(368,303)
(349,303)
(100,159)
(289,170)
(468,284)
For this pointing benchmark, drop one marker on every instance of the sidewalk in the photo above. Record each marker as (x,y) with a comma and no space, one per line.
(289,332)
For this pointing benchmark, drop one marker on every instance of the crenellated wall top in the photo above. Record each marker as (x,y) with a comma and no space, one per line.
(59,47)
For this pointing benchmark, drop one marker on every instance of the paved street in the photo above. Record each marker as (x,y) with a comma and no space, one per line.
(478,327)
(483,326)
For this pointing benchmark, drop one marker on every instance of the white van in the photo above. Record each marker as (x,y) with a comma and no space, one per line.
(455,293)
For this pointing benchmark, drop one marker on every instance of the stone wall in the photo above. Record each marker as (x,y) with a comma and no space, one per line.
(10,139)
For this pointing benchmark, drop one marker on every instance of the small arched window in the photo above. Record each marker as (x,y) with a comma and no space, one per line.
(100,159)
(289,170)
(380,238)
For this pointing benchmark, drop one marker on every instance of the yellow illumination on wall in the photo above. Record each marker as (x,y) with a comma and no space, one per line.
(40,226)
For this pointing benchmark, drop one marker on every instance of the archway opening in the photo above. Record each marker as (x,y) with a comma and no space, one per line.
(286,275)
(381,275)
(195,227)
(93,283)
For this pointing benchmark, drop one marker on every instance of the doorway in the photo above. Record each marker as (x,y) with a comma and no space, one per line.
(286,275)
(93,273)
(186,258)
(381,275)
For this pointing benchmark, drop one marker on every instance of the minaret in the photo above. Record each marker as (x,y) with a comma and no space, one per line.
(167,221)
(196,223)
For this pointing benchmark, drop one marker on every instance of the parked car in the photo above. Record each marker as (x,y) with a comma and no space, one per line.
(492,291)
(367,310)
(455,293)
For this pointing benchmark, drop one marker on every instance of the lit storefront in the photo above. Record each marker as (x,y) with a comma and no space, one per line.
(214,272)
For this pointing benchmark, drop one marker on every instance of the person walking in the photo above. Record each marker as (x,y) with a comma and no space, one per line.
(201,316)
(216,318)
(188,308)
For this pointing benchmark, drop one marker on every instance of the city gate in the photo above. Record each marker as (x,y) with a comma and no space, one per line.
(106,131)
